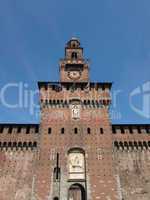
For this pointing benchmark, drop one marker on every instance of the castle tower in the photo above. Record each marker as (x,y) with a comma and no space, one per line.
(74,67)
(76,141)
(74,153)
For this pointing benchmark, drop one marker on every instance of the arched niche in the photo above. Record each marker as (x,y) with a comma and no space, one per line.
(76,164)
(75,106)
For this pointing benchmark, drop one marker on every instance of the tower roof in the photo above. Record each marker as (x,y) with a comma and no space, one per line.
(73,42)
(75,38)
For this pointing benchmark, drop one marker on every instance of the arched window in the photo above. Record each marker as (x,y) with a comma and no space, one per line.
(74,55)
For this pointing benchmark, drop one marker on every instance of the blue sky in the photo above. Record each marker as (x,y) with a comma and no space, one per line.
(114,33)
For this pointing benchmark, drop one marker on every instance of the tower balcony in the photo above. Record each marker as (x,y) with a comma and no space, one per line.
(74,61)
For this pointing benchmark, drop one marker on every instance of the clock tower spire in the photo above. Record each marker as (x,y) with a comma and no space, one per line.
(74,67)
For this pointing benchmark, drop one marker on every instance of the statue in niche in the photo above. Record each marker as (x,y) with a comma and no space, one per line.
(75,111)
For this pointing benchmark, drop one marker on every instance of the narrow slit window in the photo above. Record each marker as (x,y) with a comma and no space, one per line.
(62,130)
(75,130)
(56,174)
(57,169)
(88,130)
(101,131)
(49,130)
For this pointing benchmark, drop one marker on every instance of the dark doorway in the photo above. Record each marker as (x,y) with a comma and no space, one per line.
(56,198)
(77,192)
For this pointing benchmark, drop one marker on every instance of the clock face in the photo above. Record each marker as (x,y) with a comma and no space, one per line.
(75,75)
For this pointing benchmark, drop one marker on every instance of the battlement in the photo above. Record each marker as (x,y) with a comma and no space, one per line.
(56,86)
(19,129)
(131,145)
(18,137)
(131,129)
(61,103)
(6,146)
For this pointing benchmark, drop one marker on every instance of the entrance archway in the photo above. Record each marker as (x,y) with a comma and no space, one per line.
(76,192)
(56,198)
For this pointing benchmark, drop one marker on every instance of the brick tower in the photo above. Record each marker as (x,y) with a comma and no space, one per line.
(76,140)
(75,153)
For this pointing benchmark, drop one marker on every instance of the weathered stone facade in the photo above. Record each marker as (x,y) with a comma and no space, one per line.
(75,153)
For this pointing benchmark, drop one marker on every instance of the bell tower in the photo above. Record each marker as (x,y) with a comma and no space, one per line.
(74,67)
